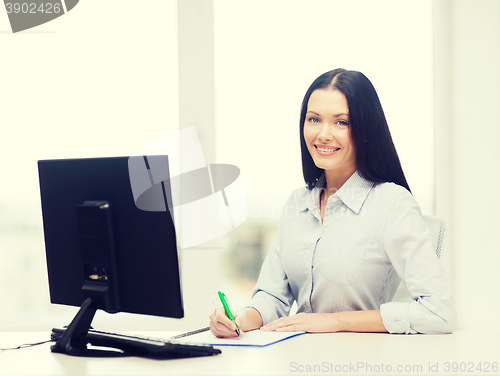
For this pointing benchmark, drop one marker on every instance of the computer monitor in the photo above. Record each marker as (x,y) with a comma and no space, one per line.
(103,252)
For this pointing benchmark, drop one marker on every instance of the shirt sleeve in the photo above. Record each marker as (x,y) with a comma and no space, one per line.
(409,247)
(272,296)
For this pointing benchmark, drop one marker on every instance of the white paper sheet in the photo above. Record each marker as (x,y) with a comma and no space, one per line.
(257,338)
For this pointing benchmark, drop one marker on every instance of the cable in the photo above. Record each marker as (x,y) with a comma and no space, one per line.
(29,345)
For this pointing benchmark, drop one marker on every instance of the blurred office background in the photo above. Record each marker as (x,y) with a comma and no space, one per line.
(112,75)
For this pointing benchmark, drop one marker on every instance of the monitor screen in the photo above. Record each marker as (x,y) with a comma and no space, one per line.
(98,243)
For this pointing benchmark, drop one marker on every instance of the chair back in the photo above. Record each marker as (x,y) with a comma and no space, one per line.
(437,227)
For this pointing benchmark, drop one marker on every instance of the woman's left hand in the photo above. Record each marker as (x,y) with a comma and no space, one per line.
(308,322)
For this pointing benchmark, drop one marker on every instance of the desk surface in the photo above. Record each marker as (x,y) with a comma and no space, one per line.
(463,352)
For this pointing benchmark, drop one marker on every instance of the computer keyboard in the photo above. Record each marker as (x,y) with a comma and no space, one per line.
(148,347)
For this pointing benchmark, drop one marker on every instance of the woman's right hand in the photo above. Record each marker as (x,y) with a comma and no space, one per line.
(222,327)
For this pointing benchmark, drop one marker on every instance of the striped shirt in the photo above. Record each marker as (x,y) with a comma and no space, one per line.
(372,237)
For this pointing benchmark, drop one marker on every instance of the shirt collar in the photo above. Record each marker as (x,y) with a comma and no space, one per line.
(353,193)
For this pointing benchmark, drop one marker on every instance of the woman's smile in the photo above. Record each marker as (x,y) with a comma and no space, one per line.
(326,150)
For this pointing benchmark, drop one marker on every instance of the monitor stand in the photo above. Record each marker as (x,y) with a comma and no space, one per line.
(74,339)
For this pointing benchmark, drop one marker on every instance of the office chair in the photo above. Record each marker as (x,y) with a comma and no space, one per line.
(437,227)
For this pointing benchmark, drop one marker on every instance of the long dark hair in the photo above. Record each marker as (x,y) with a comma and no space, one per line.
(376,156)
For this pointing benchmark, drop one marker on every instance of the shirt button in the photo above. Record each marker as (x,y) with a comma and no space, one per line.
(311,248)
(334,199)
(344,209)
(324,224)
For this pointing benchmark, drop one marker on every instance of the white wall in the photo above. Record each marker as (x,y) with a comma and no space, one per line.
(467,123)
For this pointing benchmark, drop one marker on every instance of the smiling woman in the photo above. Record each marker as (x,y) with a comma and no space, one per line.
(346,241)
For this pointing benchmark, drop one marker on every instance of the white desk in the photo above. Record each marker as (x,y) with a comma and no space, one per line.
(324,354)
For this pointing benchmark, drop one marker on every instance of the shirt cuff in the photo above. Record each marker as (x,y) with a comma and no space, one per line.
(395,317)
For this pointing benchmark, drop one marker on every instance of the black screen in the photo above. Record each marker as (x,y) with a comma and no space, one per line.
(147,269)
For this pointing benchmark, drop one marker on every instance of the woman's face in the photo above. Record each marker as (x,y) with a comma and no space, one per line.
(327,131)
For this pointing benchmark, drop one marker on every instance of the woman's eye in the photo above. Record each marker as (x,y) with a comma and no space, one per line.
(313,120)
(342,123)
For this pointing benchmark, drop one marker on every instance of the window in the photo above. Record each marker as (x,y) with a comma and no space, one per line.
(98,82)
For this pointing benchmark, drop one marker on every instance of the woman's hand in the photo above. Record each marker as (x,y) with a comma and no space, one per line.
(347,321)
(222,327)
(308,322)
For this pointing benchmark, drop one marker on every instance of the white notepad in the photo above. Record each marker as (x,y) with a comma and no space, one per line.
(256,338)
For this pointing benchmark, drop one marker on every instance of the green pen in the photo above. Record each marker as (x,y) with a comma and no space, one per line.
(228,311)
